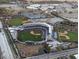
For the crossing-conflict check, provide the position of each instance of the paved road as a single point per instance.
(10, 40)
(56, 54)
(8, 5)
(7, 54)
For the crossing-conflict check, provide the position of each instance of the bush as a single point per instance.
(72, 57)
(46, 48)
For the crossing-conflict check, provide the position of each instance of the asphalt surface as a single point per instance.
(7, 54)
(10, 41)
(56, 54)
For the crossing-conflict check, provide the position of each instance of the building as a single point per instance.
(46, 28)
(48, 0)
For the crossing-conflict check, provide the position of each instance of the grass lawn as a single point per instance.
(27, 36)
(16, 21)
(72, 35)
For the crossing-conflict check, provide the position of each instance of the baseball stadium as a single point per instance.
(30, 38)
(33, 32)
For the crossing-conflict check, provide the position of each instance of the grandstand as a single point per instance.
(25, 33)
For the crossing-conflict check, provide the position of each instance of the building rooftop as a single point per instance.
(35, 15)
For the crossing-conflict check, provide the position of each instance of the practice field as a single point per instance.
(70, 36)
(29, 36)
(16, 21)
(73, 36)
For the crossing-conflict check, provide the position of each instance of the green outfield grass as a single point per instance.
(27, 36)
(15, 21)
(72, 35)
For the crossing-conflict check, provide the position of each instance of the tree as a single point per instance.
(46, 48)
(72, 57)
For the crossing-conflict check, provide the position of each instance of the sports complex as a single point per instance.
(30, 38)
(33, 32)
